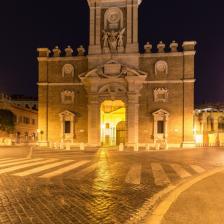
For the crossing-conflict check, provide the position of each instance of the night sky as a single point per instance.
(27, 25)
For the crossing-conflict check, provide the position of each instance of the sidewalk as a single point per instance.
(203, 203)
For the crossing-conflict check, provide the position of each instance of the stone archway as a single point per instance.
(112, 113)
(113, 81)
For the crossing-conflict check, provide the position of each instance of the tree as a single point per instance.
(7, 120)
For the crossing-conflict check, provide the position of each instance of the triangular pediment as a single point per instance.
(161, 112)
(66, 113)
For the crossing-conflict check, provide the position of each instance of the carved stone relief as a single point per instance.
(113, 19)
(67, 97)
(161, 95)
(113, 32)
(68, 69)
(161, 67)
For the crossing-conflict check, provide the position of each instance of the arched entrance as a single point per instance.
(112, 114)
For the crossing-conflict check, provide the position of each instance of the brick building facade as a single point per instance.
(25, 123)
(115, 94)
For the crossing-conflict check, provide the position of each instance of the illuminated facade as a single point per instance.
(115, 94)
(25, 124)
(209, 126)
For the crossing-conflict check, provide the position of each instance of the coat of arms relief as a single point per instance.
(113, 34)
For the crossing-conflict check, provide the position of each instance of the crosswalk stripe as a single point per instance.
(20, 162)
(159, 175)
(64, 169)
(5, 159)
(197, 169)
(14, 168)
(134, 174)
(180, 170)
(84, 172)
(42, 168)
(11, 160)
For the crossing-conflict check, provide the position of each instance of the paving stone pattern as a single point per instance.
(95, 191)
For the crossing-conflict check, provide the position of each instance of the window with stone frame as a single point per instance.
(160, 127)
(210, 123)
(221, 124)
(67, 126)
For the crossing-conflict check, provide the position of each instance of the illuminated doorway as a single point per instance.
(113, 122)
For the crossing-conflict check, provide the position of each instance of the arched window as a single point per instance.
(210, 123)
(221, 124)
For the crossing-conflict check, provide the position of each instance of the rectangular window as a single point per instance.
(67, 127)
(160, 127)
(68, 99)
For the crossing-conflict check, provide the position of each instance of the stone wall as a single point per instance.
(58, 74)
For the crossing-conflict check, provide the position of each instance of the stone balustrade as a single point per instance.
(173, 47)
(57, 52)
(187, 46)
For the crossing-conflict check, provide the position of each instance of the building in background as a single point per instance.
(209, 125)
(28, 102)
(115, 94)
(25, 125)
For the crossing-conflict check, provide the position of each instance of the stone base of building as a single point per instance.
(188, 145)
(42, 144)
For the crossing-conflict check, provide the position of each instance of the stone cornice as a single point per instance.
(159, 55)
(76, 58)
(170, 81)
(58, 84)
(145, 82)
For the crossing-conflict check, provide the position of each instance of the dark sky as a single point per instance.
(26, 25)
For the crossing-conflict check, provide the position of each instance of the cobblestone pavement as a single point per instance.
(103, 187)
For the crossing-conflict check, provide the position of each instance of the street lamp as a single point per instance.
(41, 132)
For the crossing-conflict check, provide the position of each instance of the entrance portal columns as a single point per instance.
(93, 121)
(132, 119)
(135, 84)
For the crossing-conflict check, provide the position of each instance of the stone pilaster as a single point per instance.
(93, 123)
(92, 26)
(95, 29)
(129, 23)
(132, 119)
(188, 94)
(135, 24)
(132, 28)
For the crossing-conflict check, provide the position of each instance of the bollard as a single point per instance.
(55, 145)
(82, 147)
(136, 148)
(68, 147)
(51, 145)
(61, 145)
(121, 147)
(157, 146)
(148, 147)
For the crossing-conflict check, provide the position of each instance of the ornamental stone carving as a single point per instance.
(113, 19)
(161, 95)
(67, 97)
(161, 67)
(113, 32)
(68, 69)
(113, 41)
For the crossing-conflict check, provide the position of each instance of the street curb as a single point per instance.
(171, 195)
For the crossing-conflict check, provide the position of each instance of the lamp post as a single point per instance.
(41, 132)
